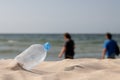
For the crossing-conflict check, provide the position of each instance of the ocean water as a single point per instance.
(87, 45)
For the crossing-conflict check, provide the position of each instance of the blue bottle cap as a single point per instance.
(47, 46)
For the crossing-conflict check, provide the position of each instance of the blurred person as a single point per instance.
(111, 48)
(68, 48)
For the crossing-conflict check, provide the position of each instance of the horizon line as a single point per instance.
(58, 33)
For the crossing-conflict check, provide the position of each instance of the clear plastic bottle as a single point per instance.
(33, 55)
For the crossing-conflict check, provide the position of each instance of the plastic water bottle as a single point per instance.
(33, 55)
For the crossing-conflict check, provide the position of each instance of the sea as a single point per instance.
(86, 45)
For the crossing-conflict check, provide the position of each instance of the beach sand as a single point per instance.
(77, 69)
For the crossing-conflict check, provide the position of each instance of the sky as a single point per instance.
(59, 16)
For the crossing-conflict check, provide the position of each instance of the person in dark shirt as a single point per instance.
(68, 48)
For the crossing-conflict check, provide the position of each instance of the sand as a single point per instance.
(77, 69)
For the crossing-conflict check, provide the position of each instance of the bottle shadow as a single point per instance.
(35, 71)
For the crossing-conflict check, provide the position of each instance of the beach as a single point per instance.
(85, 66)
(77, 69)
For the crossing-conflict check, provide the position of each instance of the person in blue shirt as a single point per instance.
(109, 47)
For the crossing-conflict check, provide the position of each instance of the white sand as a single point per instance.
(77, 69)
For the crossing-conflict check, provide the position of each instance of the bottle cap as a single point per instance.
(47, 46)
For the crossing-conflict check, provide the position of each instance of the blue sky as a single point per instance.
(59, 16)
